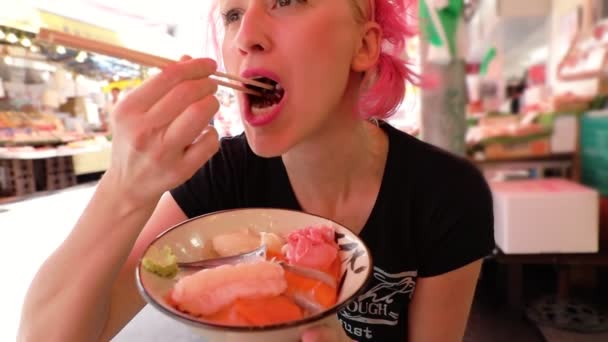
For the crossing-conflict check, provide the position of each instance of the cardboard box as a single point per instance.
(545, 216)
(537, 147)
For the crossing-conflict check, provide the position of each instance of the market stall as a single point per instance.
(54, 105)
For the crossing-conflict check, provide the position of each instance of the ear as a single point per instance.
(368, 50)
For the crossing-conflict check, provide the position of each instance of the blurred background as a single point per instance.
(519, 87)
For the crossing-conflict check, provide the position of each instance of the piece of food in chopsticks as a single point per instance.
(160, 261)
(267, 97)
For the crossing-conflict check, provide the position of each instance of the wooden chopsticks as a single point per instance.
(56, 37)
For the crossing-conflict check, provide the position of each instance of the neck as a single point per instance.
(327, 169)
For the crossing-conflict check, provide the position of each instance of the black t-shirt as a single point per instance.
(433, 214)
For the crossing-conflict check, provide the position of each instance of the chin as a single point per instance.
(266, 145)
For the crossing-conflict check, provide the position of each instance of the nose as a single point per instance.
(253, 35)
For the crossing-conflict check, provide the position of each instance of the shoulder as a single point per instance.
(433, 168)
(452, 204)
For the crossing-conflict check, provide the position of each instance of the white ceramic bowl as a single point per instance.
(188, 238)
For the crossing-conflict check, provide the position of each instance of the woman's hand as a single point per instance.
(326, 333)
(161, 132)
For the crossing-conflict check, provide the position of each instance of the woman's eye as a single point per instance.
(232, 16)
(285, 3)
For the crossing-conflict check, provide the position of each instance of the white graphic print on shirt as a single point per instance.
(377, 306)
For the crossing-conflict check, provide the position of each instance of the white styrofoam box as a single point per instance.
(565, 134)
(545, 216)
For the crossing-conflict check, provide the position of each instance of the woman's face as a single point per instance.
(307, 47)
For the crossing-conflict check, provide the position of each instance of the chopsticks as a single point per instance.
(56, 37)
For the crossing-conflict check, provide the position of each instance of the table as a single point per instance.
(23, 171)
(34, 154)
(564, 162)
(514, 264)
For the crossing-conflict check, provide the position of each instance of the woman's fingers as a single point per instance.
(148, 93)
(178, 99)
(201, 150)
(189, 124)
(325, 333)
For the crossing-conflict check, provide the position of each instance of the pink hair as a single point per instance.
(387, 91)
(382, 97)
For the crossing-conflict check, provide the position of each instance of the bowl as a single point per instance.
(187, 241)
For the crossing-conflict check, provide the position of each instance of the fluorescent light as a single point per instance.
(81, 57)
(26, 42)
(539, 55)
(60, 50)
(2, 34)
(12, 38)
(34, 48)
(30, 64)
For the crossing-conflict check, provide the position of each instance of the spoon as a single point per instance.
(229, 260)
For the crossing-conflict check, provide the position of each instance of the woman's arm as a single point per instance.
(440, 307)
(84, 291)
(125, 300)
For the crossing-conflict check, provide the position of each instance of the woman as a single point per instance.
(426, 215)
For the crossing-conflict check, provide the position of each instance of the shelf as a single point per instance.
(49, 153)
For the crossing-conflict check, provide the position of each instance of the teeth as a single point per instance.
(262, 111)
(278, 86)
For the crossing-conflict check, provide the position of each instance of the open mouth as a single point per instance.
(269, 97)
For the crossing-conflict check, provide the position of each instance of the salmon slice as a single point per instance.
(312, 292)
(258, 312)
(276, 256)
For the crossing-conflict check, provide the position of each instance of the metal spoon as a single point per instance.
(229, 260)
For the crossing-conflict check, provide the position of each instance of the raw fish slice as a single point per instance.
(313, 272)
(208, 291)
(235, 243)
(315, 293)
(274, 243)
(269, 310)
(258, 312)
(313, 247)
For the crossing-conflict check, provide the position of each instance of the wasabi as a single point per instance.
(161, 262)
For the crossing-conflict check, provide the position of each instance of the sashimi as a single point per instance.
(298, 277)
(314, 292)
(274, 243)
(208, 291)
(313, 268)
(258, 312)
(313, 247)
(235, 243)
